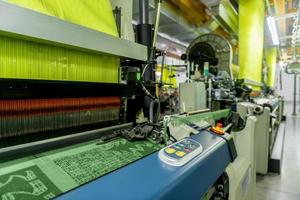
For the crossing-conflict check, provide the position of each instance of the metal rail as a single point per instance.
(44, 145)
(253, 83)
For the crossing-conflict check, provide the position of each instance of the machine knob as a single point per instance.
(220, 187)
(218, 129)
(220, 194)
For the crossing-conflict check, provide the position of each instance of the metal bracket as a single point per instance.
(251, 82)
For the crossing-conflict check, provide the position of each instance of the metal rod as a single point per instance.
(44, 145)
(185, 66)
(280, 79)
(198, 111)
(118, 18)
(188, 70)
(162, 66)
(295, 96)
(144, 11)
(144, 36)
(251, 82)
(210, 94)
(225, 129)
(157, 19)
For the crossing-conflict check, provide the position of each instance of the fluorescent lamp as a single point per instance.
(281, 64)
(176, 41)
(163, 45)
(273, 30)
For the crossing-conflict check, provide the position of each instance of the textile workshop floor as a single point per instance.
(55, 173)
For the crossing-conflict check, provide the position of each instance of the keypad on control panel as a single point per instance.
(181, 149)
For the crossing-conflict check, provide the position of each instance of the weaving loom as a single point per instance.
(31, 60)
(50, 174)
(51, 92)
(65, 121)
(58, 99)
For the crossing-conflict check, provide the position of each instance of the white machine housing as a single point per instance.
(242, 172)
(192, 96)
(262, 134)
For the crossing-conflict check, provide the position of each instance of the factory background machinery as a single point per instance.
(138, 99)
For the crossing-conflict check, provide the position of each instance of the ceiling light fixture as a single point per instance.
(273, 30)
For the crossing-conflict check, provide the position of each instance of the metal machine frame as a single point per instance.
(26, 24)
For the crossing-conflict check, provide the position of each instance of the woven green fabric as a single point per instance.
(46, 175)
(27, 184)
(208, 116)
(88, 165)
(27, 59)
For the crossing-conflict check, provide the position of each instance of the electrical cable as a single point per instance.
(154, 117)
(147, 91)
(144, 70)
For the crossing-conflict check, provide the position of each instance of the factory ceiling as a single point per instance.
(184, 20)
(181, 22)
(284, 12)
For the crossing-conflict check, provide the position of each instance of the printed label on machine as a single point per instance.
(181, 152)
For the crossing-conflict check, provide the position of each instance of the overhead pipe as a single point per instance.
(157, 19)
(144, 11)
(144, 37)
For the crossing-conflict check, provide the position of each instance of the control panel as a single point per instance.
(181, 152)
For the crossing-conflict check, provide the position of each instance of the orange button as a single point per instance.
(217, 130)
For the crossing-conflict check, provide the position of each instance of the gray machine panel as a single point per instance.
(26, 24)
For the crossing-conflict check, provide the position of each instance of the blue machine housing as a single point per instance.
(150, 178)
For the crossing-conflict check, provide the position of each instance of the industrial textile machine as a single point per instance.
(268, 139)
(55, 79)
(68, 128)
(274, 136)
(182, 169)
(209, 59)
(212, 85)
(240, 174)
